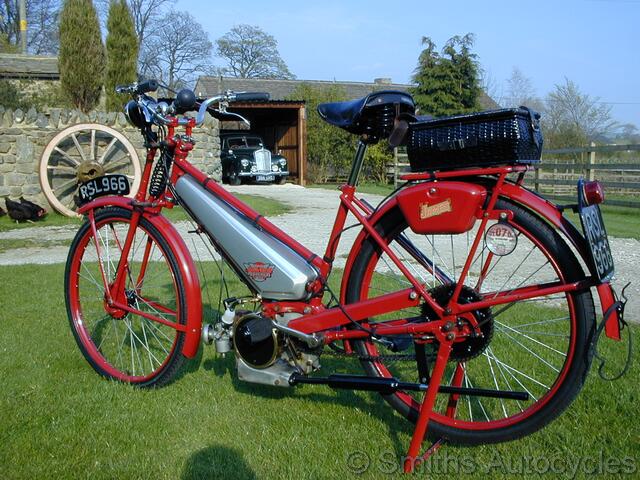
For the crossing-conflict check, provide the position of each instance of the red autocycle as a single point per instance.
(466, 297)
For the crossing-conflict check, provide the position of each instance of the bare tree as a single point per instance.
(575, 117)
(146, 14)
(251, 53)
(42, 25)
(490, 86)
(520, 91)
(176, 52)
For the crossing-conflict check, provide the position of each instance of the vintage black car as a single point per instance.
(244, 158)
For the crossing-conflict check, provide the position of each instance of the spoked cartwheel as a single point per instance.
(80, 153)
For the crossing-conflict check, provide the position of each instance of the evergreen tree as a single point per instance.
(122, 52)
(447, 82)
(81, 59)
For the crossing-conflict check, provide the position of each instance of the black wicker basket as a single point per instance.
(495, 137)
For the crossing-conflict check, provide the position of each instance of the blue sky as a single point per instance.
(595, 43)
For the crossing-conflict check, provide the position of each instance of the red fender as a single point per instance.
(530, 201)
(185, 264)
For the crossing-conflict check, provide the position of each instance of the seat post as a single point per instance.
(356, 166)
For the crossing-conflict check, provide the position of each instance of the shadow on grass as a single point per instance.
(365, 401)
(216, 461)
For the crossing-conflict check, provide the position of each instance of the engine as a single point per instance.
(256, 341)
(264, 354)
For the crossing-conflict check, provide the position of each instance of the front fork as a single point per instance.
(115, 292)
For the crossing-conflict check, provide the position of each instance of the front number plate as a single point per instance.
(596, 235)
(265, 178)
(101, 186)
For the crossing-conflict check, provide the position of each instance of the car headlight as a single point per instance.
(283, 162)
(254, 168)
(275, 167)
(244, 162)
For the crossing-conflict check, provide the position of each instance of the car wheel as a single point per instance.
(234, 179)
(281, 180)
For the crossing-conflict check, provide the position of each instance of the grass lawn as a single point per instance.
(60, 420)
(53, 219)
(266, 206)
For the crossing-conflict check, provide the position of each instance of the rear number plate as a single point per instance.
(596, 235)
(265, 178)
(102, 186)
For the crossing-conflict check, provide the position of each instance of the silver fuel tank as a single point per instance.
(274, 270)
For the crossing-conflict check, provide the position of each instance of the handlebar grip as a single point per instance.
(148, 86)
(252, 97)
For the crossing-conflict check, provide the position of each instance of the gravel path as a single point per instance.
(309, 223)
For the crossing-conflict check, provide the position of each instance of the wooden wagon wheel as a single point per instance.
(80, 153)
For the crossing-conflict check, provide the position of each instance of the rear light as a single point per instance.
(593, 192)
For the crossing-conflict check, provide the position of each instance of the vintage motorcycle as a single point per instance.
(466, 297)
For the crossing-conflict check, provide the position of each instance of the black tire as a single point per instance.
(108, 340)
(234, 179)
(571, 375)
(281, 180)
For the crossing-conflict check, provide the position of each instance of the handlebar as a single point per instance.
(251, 97)
(161, 114)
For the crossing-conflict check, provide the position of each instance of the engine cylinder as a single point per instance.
(256, 341)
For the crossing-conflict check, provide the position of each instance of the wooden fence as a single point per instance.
(616, 166)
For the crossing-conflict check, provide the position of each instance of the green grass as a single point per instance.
(266, 206)
(10, 244)
(622, 222)
(53, 219)
(60, 420)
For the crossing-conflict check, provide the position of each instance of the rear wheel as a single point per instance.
(539, 346)
(124, 345)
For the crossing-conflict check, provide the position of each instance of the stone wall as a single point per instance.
(24, 136)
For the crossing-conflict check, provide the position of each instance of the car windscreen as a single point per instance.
(254, 142)
(244, 142)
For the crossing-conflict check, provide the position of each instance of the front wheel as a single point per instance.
(121, 345)
(538, 346)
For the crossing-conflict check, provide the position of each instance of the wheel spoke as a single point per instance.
(66, 156)
(63, 168)
(107, 150)
(78, 147)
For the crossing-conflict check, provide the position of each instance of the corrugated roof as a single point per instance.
(28, 66)
(281, 89)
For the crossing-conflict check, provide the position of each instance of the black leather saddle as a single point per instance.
(372, 115)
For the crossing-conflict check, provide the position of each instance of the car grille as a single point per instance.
(263, 160)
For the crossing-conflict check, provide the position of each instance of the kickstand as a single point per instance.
(426, 409)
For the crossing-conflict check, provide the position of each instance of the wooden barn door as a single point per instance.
(287, 145)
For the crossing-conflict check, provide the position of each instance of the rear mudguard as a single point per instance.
(187, 268)
(544, 209)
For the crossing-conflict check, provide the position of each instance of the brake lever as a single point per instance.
(244, 120)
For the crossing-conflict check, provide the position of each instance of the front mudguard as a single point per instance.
(187, 268)
(544, 209)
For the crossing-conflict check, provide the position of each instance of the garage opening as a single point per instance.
(282, 126)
